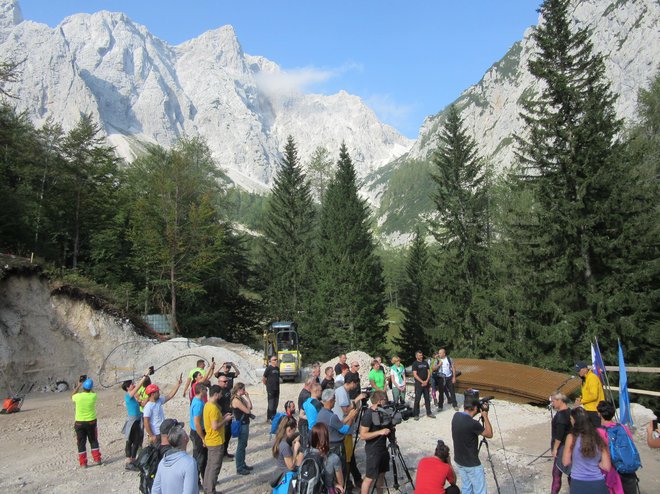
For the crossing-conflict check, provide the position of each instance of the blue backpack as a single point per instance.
(625, 457)
(276, 422)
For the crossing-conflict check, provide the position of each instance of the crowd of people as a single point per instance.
(332, 415)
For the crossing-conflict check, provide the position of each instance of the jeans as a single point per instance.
(213, 466)
(200, 453)
(397, 395)
(241, 446)
(473, 479)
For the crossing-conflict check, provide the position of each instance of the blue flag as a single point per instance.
(624, 399)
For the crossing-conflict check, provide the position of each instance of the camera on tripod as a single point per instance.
(367, 392)
(471, 397)
(392, 414)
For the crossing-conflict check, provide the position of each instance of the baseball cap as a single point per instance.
(168, 425)
(152, 388)
(580, 365)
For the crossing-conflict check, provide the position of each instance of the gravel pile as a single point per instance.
(361, 358)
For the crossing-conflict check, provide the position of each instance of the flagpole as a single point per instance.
(607, 380)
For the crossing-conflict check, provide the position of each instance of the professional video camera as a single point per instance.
(472, 396)
(392, 414)
(367, 392)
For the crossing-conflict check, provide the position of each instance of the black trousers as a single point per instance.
(450, 391)
(200, 453)
(273, 399)
(303, 429)
(135, 438)
(86, 431)
(227, 436)
(419, 391)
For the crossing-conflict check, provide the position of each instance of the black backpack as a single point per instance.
(147, 462)
(310, 474)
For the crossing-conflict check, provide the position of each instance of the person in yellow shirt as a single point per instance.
(85, 425)
(592, 392)
(213, 438)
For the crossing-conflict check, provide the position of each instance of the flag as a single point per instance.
(624, 399)
(597, 360)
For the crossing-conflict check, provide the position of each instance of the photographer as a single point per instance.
(375, 438)
(226, 371)
(421, 373)
(154, 413)
(653, 434)
(435, 471)
(337, 428)
(343, 407)
(465, 432)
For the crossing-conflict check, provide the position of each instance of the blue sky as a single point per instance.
(407, 60)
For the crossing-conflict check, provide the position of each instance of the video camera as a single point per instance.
(471, 396)
(367, 392)
(392, 414)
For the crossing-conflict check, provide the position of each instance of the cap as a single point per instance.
(580, 365)
(88, 384)
(152, 388)
(168, 425)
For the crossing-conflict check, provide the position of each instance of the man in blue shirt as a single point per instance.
(312, 405)
(197, 432)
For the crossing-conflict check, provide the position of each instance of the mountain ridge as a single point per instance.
(142, 89)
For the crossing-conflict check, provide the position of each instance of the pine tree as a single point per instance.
(288, 239)
(349, 304)
(320, 172)
(462, 230)
(571, 162)
(416, 301)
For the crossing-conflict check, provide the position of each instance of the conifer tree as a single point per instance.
(462, 231)
(349, 304)
(570, 160)
(288, 235)
(416, 301)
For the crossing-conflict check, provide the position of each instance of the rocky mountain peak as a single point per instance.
(10, 15)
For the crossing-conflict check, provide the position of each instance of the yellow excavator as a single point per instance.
(281, 339)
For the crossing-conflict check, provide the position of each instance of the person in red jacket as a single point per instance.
(434, 472)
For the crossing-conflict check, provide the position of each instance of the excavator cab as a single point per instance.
(281, 339)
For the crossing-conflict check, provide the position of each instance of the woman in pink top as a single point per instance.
(617, 483)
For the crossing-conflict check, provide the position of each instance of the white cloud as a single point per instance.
(389, 111)
(299, 80)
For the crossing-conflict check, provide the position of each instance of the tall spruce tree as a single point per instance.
(287, 244)
(416, 301)
(462, 231)
(571, 162)
(349, 303)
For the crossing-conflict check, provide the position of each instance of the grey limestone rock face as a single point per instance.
(143, 90)
(625, 32)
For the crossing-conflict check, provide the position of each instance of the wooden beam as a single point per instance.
(637, 391)
(645, 370)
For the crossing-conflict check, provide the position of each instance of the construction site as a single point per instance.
(49, 335)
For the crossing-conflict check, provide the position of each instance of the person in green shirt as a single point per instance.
(377, 376)
(85, 425)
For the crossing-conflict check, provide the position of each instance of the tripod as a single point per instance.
(484, 442)
(396, 456)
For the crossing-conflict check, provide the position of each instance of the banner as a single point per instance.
(597, 362)
(624, 399)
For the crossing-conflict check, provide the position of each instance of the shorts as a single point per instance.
(377, 463)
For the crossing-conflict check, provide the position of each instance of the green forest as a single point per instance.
(526, 266)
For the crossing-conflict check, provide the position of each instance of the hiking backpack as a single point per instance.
(147, 462)
(275, 422)
(310, 474)
(625, 456)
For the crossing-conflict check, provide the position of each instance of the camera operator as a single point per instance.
(375, 438)
(465, 432)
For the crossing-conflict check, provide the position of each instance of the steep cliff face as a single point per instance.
(46, 337)
(141, 89)
(625, 32)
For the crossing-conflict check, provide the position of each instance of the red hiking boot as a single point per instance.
(82, 458)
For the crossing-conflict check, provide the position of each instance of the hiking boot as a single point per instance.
(248, 467)
(96, 454)
(244, 472)
(431, 416)
(82, 459)
(416, 417)
(131, 467)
